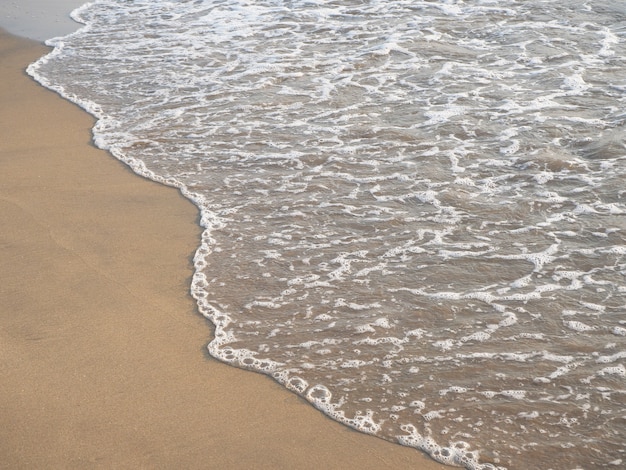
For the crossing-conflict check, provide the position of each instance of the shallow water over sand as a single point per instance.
(414, 211)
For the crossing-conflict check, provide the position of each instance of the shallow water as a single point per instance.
(414, 211)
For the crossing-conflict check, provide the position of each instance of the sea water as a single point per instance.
(414, 212)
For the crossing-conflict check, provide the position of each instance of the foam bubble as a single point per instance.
(611, 358)
(618, 370)
(578, 326)
(515, 394)
(457, 453)
(618, 331)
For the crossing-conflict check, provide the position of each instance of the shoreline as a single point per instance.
(104, 359)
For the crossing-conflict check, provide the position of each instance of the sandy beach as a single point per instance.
(103, 360)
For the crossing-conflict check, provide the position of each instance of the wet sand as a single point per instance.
(102, 350)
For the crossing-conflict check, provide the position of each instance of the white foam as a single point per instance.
(458, 454)
(618, 370)
(608, 41)
(619, 331)
(578, 326)
(515, 394)
(611, 358)
(575, 84)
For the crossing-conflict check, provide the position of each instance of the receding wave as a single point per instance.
(413, 211)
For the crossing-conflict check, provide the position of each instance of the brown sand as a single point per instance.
(102, 359)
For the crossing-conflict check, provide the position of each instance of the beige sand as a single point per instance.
(102, 351)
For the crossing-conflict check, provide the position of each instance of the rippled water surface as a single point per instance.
(414, 210)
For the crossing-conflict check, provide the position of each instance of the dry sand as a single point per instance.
(102, 351)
